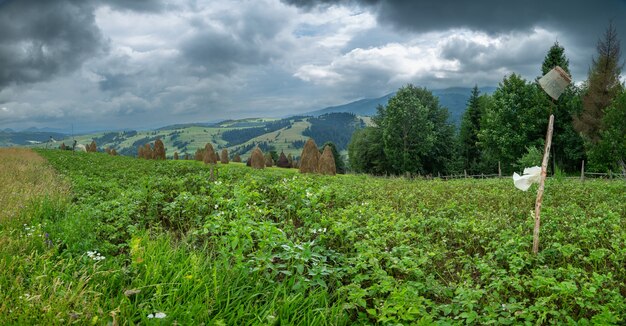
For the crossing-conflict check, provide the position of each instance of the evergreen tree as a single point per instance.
(470, 126)
(610, 152)
(567, 145)
(603, 85)
(555, 57)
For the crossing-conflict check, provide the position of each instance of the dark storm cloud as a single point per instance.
(246, 38)
(134, 5)
(40, 39)
(585, 19)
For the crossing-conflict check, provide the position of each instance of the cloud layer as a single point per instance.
(142, 64)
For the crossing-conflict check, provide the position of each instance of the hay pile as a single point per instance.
(309, 160)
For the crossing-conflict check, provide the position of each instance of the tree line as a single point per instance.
(505, 129)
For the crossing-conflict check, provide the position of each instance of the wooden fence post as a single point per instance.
(542, 181)
(582, 171)
(499, 170)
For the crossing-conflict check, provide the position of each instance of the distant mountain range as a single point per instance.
(454, 99)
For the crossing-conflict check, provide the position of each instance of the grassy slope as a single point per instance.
(276, 246)
(199, 136)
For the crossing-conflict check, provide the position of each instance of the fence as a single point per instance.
(583, 175)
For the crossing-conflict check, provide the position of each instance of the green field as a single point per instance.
(276, 247)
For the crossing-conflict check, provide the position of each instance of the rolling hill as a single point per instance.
(237, 136)
(335, 124)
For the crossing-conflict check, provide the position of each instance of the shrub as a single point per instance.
(224, 156)
(327, 162)
(257, 161)
(283, 162)
(159, 150)
(310, 157)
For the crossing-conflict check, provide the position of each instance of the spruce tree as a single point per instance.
(555, 57)
(470, 126)
(603, 85)
(567, 145)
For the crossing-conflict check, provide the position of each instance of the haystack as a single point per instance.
(224, 156)
(310, 157)
(327, 162)
(283, 162)
(257, 161)
(209, 154)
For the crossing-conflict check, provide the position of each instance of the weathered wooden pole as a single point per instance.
(582, 171)
(553, 83)
(542, 181)
(499, 170)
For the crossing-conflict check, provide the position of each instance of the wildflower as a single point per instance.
(95, 255)
(158, 315)
(216, 206)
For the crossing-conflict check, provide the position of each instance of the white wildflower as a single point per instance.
(158, 315)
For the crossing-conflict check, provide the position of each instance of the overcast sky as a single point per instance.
(141, 64)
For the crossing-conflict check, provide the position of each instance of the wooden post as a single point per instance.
(544, 167)
(499, 170)
(465, 173)
(582, 171)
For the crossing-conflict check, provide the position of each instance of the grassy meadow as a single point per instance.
(87, 238)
